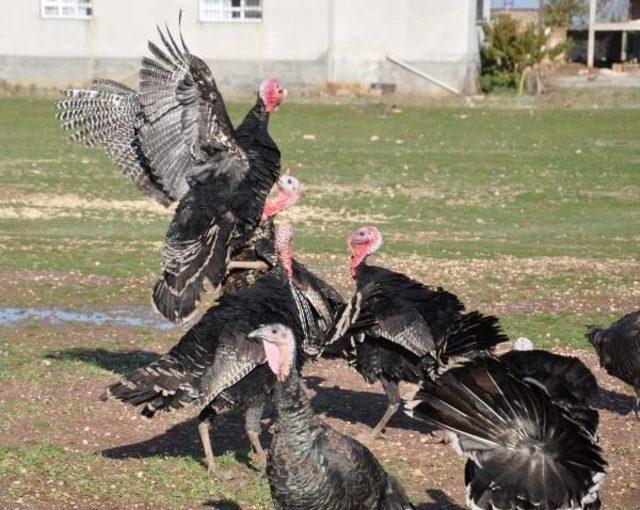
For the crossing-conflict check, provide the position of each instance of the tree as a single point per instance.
(508, 52)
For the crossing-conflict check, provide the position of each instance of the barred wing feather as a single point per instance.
(188, 121)
(109, 115)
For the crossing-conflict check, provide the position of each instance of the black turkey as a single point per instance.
(618, 348)
(523, 451)
(257, 256)
(311, 466)
(215, 366)
(175, 140)
(402, 329)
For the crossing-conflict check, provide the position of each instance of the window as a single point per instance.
(71, 9)
(231, 10)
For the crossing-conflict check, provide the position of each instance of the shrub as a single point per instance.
(508, 51)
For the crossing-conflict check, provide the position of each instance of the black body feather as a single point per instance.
(402, 330)
(313, 467)
(566, 379)
(214, 355)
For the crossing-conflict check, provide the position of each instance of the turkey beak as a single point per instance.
(260, 334)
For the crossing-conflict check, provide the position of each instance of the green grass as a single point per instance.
(66, 476)
(519, 182)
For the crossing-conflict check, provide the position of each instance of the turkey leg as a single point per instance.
(392, 391)
(252, 428)
(204, 427)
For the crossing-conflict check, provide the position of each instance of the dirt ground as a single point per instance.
(432, 473)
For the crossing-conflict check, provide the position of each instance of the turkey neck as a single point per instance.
(263, 154)
(295, 417)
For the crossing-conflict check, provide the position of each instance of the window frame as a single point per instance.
(212, 11)
(58, 4)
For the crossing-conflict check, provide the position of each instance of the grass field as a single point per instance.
(530, 214)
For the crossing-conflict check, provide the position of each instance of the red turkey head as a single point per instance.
(288, 192)
(279, 347)
(272, 94)
(283, 237)
(362, 243)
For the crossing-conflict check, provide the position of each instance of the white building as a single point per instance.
(306, 43)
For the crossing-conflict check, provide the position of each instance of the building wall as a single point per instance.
(304, 42)
(522, 16)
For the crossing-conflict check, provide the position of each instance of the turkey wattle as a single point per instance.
(312, 466)
(173, 138)
(403, 330)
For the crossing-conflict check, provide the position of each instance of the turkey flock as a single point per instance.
(523, 419)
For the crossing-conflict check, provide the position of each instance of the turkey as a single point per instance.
(565, 379)
(174, 140)
(213, 365)
(618, 348)
(311, 466)
(523, 451)
(257, 256)
(404, 330)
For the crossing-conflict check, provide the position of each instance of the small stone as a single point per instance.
(308, 137)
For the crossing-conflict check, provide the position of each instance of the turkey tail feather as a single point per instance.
(526, 451)
(471, 334)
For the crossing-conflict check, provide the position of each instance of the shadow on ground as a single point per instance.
(182, 440)
(119, 362)
(613, 402)
(365, 407)
(441, 501)
(222, 504)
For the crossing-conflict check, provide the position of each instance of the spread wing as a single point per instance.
(109, 115)
(188, 131)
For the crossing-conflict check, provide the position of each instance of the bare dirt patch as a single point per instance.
(47, 206)
(78, 423)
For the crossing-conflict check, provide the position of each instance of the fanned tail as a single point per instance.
(524, 451)
(566, 379)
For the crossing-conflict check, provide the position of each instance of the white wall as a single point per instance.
(307, 41)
